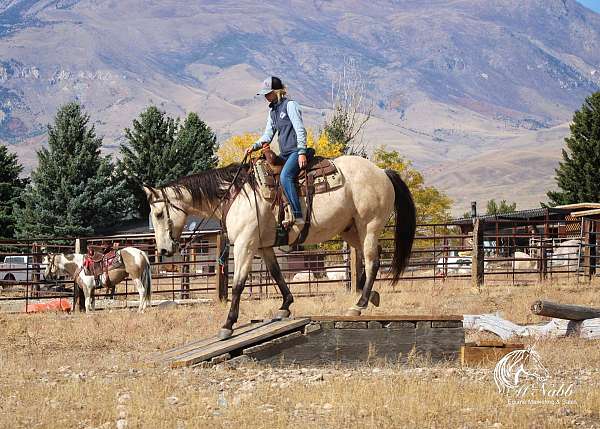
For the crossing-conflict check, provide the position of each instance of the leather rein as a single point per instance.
(224, 203)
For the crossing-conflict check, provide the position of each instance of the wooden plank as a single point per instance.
(168, 355)
(384, 318)
(473, 355)
(438, 343)
(493, 343)
(240, 341)
(346, 346)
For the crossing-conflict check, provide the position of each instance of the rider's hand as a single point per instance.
(249, 150)
(302, 161)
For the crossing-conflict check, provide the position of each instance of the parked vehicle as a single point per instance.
(16, 269)
(453, 265)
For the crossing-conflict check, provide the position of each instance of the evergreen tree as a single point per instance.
(578, 175)
(199, 143)
(493, 208)
(73, 191)
(11, 187)
(159, 151)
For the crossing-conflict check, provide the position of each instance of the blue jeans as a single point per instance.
(288, 176)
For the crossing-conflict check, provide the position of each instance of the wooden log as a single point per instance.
(590, 329)
(564, 311)
(506, 329)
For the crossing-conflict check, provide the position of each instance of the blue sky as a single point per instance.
(592, 4)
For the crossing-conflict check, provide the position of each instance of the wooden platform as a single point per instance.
(486, 352)
(328, 339)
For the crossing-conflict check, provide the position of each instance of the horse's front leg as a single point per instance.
(242, 257)
(268, 255)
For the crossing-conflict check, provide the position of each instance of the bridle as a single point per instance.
(51, 265)
(223, 202)
(168, 206)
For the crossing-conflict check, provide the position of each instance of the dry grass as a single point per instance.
(80, 371)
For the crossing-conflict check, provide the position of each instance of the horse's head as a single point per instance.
(52, 263)
(168, 219)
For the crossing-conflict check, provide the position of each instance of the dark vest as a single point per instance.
(286, 133)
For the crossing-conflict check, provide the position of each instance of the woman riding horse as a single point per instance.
(285, 118)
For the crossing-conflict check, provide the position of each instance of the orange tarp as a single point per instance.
(60, 304)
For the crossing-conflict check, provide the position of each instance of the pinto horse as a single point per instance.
(135, 264)
(358, 211)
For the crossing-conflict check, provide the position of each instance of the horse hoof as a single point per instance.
(374, 298)
(282, 314)
(353, 312)
(225, 333)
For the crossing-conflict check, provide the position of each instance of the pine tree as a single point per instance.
(159, 151)
(73, 191)
(578, 175)
(199, 143)
(11, 187)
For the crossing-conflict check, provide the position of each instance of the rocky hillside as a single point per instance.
(454, 83)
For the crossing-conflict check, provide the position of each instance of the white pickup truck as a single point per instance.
(14, 269)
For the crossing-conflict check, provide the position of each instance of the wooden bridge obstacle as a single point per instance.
(327, 340)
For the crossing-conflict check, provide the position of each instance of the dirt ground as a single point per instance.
(90, 371)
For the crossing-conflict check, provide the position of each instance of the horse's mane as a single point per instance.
(211, 185)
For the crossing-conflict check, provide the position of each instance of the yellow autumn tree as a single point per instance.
(232, 150)
(322, 145)
(433, 206)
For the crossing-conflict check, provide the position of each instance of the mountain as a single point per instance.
(476, 93)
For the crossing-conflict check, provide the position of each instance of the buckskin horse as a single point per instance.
(358, 211)
(132, 262)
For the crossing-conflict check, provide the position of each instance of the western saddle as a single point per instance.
(320, 176)
(96, 263)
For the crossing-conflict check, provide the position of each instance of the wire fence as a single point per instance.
(514, 251)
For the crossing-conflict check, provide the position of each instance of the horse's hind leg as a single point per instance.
(351, 237)
(142, 292)
(88, 291)
(270, 259)
(370, 248)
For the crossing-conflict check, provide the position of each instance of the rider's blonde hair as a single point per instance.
(280, 93)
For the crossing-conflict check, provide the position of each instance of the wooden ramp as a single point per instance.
(245, 336)
(328, 339)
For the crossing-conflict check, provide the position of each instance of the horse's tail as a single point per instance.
(406, 224)
(147, 278)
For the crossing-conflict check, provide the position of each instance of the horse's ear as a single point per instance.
(150, 191)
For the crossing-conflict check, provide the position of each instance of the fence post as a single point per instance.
(543, 260)
(589, 240)
(477, 267)
(222, 271)
(36, 263)
(80, 245)
(356, 268)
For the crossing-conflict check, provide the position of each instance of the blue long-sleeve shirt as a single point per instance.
(295, 114)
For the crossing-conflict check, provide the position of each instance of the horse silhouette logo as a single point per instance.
(518, 367)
